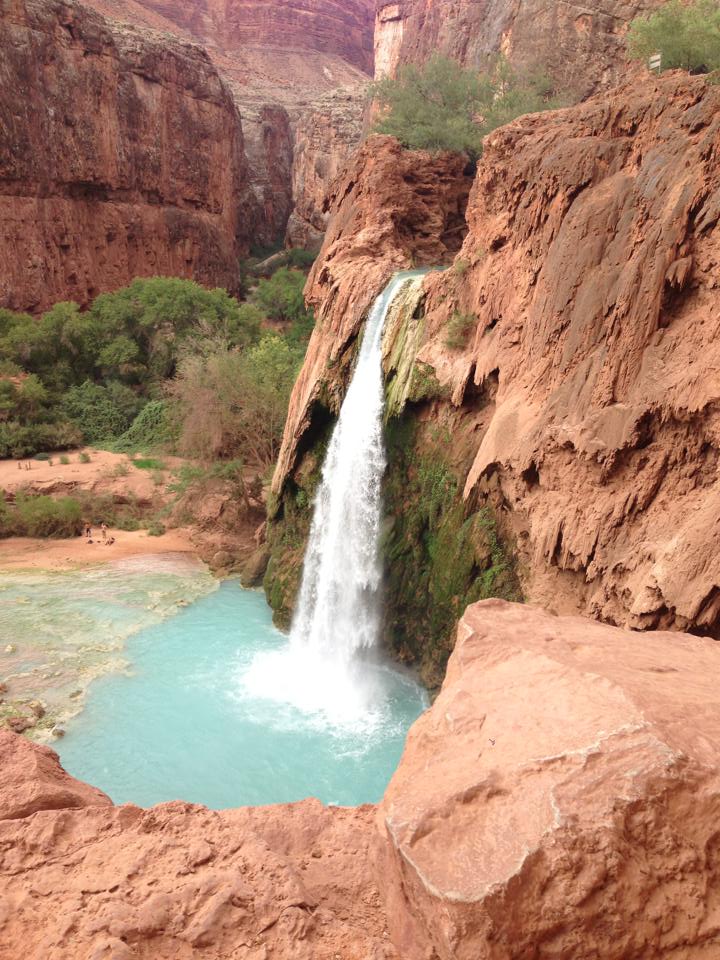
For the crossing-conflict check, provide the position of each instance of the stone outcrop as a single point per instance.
(581, 399)
(121, 155)
(389, 208)
(562, 794)
(580, 46)
(560, 798)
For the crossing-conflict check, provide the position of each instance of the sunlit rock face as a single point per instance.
(563, 790)
(121, 155)
(580, 48)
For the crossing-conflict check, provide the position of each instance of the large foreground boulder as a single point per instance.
(562, 797)
(559, 801)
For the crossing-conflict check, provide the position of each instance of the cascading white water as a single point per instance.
(338, 606)
(337, 612)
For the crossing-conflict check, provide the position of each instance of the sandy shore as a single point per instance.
(25, 553)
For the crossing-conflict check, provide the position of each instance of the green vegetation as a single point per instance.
(442, 106)
(101, 376)
(440, 553)
(229, 403)
(687, 36)
(458, 330)
(40, 517)
(148, 463)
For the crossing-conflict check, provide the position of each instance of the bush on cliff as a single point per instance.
(687, 36)
(443, 106)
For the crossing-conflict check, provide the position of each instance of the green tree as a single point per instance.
(144, 324)
(281, 297)
(442, 106)
(101, 412)
(229, 403)
(687, 36)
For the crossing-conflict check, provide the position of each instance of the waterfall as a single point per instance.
(338, 612)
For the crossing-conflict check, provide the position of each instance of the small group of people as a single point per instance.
(24, 465)
(108, 541)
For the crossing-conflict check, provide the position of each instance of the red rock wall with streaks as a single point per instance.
(119, 156)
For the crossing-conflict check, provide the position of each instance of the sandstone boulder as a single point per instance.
(562, 797)
(32, 779)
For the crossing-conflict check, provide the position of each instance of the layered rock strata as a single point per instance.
(298, 70)
(121, 155)
(581, 47)
(561, 795)
(570, 349)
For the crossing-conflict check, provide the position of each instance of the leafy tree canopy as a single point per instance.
(687, 36)
(443, 106)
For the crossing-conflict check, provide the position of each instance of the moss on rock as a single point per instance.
(440, 554)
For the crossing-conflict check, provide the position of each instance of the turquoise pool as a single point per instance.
(194, 716)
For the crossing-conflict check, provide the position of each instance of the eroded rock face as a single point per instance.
(389, 208)
(298, 72)
(581, 48)
(121, 155)
(562, 794)
(582, 399)
(590, 269)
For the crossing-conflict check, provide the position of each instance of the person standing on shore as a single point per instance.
(103, 527)
(88, 530)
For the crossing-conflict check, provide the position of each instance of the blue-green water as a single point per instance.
(194, 719)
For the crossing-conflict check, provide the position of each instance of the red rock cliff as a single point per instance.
(563, 791)
(298, 70)
(579, 46)
(585, 400)
(120, 156)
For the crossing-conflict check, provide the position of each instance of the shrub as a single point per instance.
(84, 457)
(43, 457)
(686, 36)
(102, 413)
(64, 460)
(281, 297)
(442, 106)
(17, 440)
(149, 430)
(44, 517)
(229, 403)
(156, 529)
(458, 330)
(129, 524)
(148, 463)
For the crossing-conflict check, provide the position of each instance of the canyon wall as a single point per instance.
(560, 381)
(121, 155)
(562, 795)
(298, 70)
(341, 28)
(579, 46)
